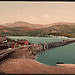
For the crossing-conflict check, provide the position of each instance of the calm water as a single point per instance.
(64, 54)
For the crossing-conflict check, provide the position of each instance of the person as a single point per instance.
(12, 46)
(26, 42)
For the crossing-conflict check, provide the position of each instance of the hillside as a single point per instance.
(16, 30)
(61, 23)
(66, 30)
(60, 29)
(39, 26)
(24, 24)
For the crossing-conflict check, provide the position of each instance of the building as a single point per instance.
(3, 40)
(23, 42)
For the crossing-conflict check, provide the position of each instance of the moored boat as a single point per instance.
(59, 62)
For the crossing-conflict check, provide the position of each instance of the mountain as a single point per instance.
(19, 28)
(24, 24)
(65, 30)
(61, 23)
(61, 28)
(39, 26)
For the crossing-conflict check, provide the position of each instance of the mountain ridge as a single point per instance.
(24, 24)
(39, 26)
(60, 28)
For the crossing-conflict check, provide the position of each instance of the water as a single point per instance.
(64, 54)
(36, 40)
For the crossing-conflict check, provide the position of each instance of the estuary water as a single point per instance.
(64, 54)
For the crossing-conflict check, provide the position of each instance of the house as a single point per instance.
(3, 40)
(26, 42)
(23, 42)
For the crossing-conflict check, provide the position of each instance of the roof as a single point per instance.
(21, 41)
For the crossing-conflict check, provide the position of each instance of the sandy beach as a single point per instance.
(29, 66)
(22, 62)
(67, 65)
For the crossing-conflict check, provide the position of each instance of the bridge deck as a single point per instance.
(36, 47)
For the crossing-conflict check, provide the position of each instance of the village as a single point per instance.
(8, 47)
(5, 43)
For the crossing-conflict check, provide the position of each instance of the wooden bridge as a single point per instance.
(47, 46)
(35, 48)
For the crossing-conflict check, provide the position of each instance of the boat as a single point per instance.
(59, 62)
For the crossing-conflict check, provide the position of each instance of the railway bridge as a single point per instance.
(35, 48)
(47, 46)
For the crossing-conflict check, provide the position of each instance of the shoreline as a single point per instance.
(43, 37)
(37, 37)
(23, 62)
(67, 65)
(57, 65)
(40, 63)
(29, 66)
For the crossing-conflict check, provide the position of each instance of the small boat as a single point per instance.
(59, 62)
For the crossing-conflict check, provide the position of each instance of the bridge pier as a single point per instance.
(45, 46)
(36, 48)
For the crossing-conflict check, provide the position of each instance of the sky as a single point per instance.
(37, 12)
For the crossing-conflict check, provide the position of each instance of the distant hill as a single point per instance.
(24, 24)
(39, 26)
(19, 28)
(66, 30)
(61, 23)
